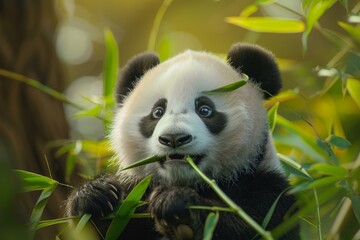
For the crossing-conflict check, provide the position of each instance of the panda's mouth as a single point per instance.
(181, 158)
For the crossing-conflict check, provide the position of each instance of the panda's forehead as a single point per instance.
(189, 75)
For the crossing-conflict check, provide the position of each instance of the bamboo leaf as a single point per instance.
(91, 112)
(272, 114)
(271, 211)
(326, 181)
(81, 224)
(210, 225)
(111, 66)
(143, 162)
(230, 87)
(39, 209)
(126, 210)
(293, 167)
(339, 142)
(353, 31)
(353, 87)
(327, 169)
(249, 10)
(326, 146)
(314, 9)
(355, 201)
(52, 222)
(268, 24)
(32, 181)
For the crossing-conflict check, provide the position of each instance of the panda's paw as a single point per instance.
(168, 206)
(97, 197)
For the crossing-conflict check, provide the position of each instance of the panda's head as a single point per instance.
(165, 111)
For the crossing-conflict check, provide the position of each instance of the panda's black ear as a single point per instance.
(259, 64)
(132, 72)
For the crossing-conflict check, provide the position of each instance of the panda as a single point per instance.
(166, 110)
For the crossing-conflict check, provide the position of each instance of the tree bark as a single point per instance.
(30, 119)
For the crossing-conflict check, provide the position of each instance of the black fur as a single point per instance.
(98, 197)
(255, 193)
(132, 72)
(217, 121)
(259, 64)
(148, 123)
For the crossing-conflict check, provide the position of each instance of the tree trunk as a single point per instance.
(30, 119)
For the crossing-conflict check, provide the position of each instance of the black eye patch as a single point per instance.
(148, 123)
(214, 121)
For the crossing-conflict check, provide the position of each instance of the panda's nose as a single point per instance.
(175, 140)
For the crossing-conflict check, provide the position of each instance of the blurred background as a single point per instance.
(61, 44)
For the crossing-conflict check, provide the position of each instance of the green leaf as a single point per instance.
(271, 211)
(293, 167)
(91, 112)
(142, 162)
(355, 201)
(272, 113)
(249, 10)
(70, 166)
(326, 146)
(353, 31)
(230, 87)
(267, 24)
(326, 181)
(314, 9)
(126, 210)
(353, 87)
(327, 169)
(111, 67)
(339, 142)
(52, 222)
(81, 224)
(210, 225)
(33, 182)
(38, 209)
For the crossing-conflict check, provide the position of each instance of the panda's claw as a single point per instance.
(97, 197)
(110, 206)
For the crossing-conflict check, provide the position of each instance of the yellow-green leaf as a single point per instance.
(126, 210)
(142, 162)
(272, 113)
(230, 87)
(111, 63)
(32, 181)
(353, 87)
(268, 24)
(249, 10)
(328, 169)
(210, 225)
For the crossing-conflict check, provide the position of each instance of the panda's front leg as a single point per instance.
(97, 197)
(169, 207)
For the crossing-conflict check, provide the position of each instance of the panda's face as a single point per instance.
(169, 114)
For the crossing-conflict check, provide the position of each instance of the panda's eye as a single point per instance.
(158, 112)
(205, 111)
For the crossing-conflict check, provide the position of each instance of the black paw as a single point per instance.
(168, 205)
(97, 197)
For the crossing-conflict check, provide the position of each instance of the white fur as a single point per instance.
(181, 80)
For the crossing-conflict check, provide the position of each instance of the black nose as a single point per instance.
(175, 140)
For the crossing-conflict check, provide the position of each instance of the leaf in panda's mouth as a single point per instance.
(143, 162)
(182, 157)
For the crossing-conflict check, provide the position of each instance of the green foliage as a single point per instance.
(321, 162)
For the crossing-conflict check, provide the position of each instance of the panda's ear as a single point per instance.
(259, 64)
(132, 72)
